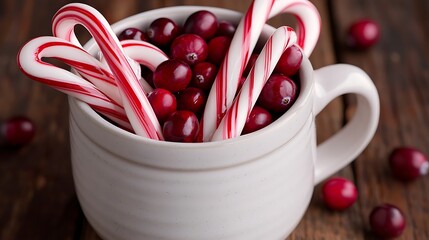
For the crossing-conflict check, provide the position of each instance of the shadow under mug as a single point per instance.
(256, 186)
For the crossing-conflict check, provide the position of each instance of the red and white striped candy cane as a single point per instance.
(30, 62)
(308, 20)
(85, 64)
(248, 31)
(135, 102)
(235, 117)
(97, 72)
(144, 53)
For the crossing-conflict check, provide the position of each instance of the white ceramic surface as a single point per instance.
(253, 187)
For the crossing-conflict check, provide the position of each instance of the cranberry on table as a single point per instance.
(258, 118)
(278, 94)
(133, 33)
(203, 75)
(387, 221)
(190, 48)
(181, 126)
(226, 29)
(363, 34)
(407, 163)
(290, 61)
(163, 103)
(202, 23)
(339, 193)
(173, 75)
(191, 99)
(16, 131)
(162, 31)
(218, 47)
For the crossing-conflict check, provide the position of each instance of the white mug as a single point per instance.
(256, 186)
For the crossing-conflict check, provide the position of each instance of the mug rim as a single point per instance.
(303, 105)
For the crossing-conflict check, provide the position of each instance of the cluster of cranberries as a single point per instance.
(386, 220)
(196, 51)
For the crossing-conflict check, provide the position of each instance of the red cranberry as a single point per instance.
(408, 163)
(133, 33)
(190, 48)
(278, 94)
(339, 193)
(387, 221)
(202, 23)
(163, 103)
(290, 61)
(17, 131)
(203, 75)
(226, 29)
(191, 99)
(162, 31)
(181, 126)
(258, 118)
(218, 47)
(363, 34)
(250, 64)
(173, 75)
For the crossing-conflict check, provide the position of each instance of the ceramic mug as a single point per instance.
(256, 186)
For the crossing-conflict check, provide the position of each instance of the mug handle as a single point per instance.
(344, 146)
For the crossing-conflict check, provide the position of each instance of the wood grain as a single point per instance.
(37, 198)
(398, 66)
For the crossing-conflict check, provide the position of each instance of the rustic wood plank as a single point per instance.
(38, 200)
(398, 66)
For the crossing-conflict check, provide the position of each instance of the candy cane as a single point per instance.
(235, 118)
(30, 62)
(135, 102)
(245, 38)
(96, 71)
(144, 53)
(308, 20)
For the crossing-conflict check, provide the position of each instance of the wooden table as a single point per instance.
(37, 198)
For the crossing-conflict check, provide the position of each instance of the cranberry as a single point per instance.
(203, 76)
(190, 48)
(339, 193)
(226, 29)
(218, 47)
(181, 126)
(258, 118)
(173, 75)
(387, 221)
(278, 94)
(191, 99)
(250, 64)
(202, 23)
(162, 31)
(17, 131)
(133, 33)
(163, 103)
(290, 61)
(408, 163)
(363, 34)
